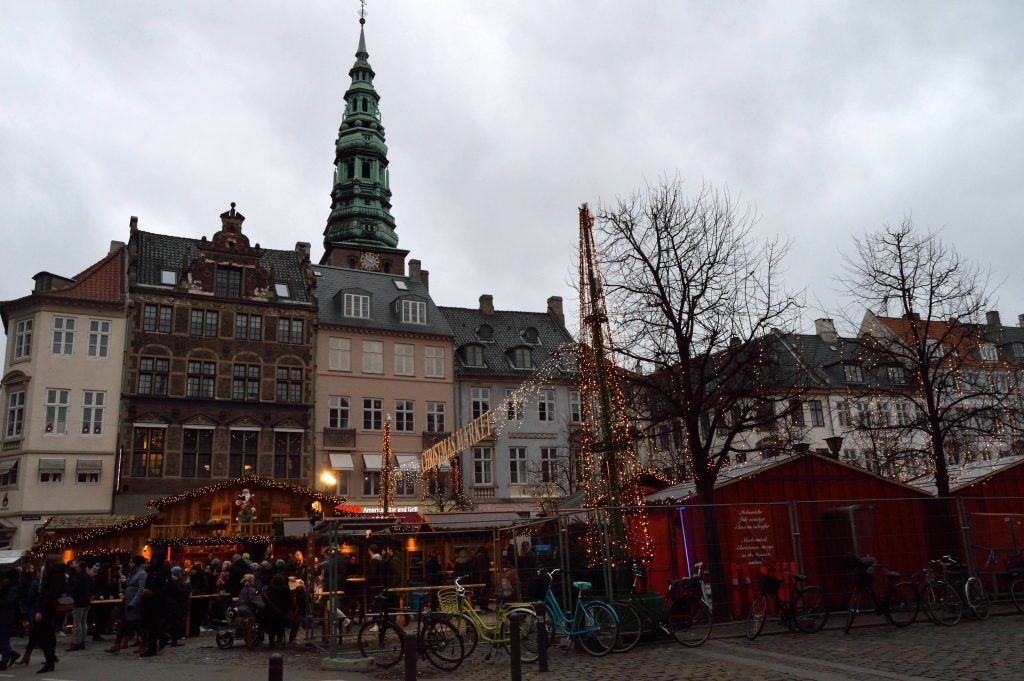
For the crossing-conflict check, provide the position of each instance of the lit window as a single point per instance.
(433, 365)
(93, 404)
(148, 453)
(373, 357)
(356, 305)
(15, 414)
(196, 453)
(22, 338)
(63, 335)
(405, 359)
(339, 354)
(242, 456)
(99, 338)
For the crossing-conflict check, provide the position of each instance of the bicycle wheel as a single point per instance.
(1017, 593)
(596, 629)
(690, 624)
(810, 611)
(756, 617)
(903, 605)
(941, 603)
(861, 600)
(466, 627)
(225, 639)
(630, 626)
(976, 598)
(381, 640)
(442, 644)
(529, 650)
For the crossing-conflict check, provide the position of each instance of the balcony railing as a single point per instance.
(483, 492)
(339, 437)
(230, 530)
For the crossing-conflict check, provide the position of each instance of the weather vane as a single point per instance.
(362, 11)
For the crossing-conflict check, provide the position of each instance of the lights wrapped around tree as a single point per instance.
(386, 491)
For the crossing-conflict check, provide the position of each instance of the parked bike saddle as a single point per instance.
(799, 578)
(582, 586)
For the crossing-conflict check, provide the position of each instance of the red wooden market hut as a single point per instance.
(805, 512)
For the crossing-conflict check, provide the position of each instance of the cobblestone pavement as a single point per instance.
(991, 650)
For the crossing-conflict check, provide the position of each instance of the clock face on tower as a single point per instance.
(369, 261)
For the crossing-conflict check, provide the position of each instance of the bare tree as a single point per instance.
(693, 298)
(952, 386)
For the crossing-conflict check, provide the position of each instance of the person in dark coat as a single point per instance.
(482, 575)
(528, 572)
(177, 604)
(154, 605)
(280, 609)
(374, 569)
(53, 584)
(432, 571)
(131, 617)
(8, 616)
(80, 586)
(240, 567)
(198, 607)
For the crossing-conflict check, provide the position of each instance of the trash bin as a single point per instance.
(416, 597)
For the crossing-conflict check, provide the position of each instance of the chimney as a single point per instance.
(992, 318)
(302, 248)
(425, 279)
(115, 246)
(414, 270)
(133, 223)
(231, 221)
(555, 309)
(1020, 320)
(487, 304)
(912, 316)
(826, 330)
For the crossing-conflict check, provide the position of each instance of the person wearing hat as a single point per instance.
(132, 606)
(177, 603)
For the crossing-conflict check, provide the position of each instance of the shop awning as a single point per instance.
(6, 465)
(10, 556)
(342, 462)
(371, 462)
(51, 465)
(473, 520)
(90, 465)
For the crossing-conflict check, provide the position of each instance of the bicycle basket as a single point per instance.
(770, 585)
(448, 600)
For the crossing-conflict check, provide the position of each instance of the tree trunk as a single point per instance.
(712, 544)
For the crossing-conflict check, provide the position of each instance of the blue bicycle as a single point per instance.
(593, 625)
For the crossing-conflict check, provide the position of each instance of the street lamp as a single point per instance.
(835, 443)
(327, 477)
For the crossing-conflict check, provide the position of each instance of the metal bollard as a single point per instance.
(542, 636)
(276, 671)
(411, 653)
(513, 646)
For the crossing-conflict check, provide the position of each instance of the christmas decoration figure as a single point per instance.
(246, 501)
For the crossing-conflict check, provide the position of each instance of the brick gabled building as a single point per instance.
(219, 363)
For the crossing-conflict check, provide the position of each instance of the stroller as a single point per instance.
(234, 625)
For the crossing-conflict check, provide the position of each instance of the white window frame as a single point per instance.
(517, 471)
(549, 464)
(436, 417)
(90, 478)
(546, 405)
(339, 354)
(433, 361)
(51, 477)
(99, 338)
(817, 411)
(168, 277)
(356, 305)
(371, 483)
(414, 312)
(515, 411)
(480, 401)
(373, 357)
(483, 466)
(405, 416)
(843, 414)
(903, 417)
(339, 412)
(575, 406)
(63, 336)
(281, 289)
(22, 339)
(15, 414)
(988, 352)
(405, 359)
(94, 403)
(853, 373)
(374, 407)
(58, 402)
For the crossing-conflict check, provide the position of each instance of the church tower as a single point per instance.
(360, 231)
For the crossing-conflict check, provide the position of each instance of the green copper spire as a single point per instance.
(361, 199)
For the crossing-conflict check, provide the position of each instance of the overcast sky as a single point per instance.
(502, 117)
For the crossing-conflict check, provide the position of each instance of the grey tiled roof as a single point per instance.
(508, 328)
(385, 312)
(164, 252)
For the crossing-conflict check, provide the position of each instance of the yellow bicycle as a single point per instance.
(455, 604)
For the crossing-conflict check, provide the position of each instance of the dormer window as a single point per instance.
(473, 356)
(531, 336)
(988, 352)
(854, 373)
(356, 305)
(897, 376)
(522, 358)
(168, 277)
(414, 312)
(1018, 350)
(485, 333)
(282, 290)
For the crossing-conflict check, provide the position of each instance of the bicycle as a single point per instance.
(971, 588)
(246, 628)
(939, 600)
(687, 619)
(593, 625)
(455, 603)
(899, 604)
(437, 639)
(804, 610)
